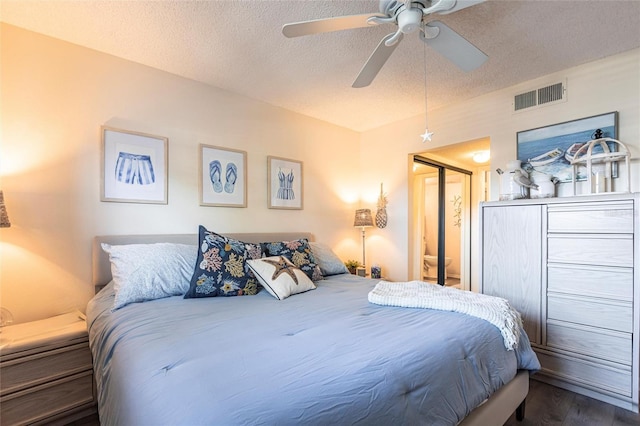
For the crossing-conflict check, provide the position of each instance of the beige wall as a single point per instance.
(55, 97)
(611, 84)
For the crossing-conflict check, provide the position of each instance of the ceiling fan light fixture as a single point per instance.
(409, 20)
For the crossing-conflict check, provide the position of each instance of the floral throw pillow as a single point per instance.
(298, 252)
(221, 267)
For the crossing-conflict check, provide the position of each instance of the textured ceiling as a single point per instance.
(238, 46)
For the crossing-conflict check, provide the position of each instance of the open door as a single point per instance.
(442, 206)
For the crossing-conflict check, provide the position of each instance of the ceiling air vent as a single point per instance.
(542, 96)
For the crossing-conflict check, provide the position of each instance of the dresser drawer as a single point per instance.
(591, 250)
(50, 399)
(610, 315)
(601, 282)
(43, 367)
(588, 374)
(607, 218)
(607, 345)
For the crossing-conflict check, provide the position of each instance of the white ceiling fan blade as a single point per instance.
(454, 47)
(376, 61)
(326, 25)
(461, 4)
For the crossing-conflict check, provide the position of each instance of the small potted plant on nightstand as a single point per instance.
(352, 265)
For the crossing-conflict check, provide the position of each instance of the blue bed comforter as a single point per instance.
(323, 357)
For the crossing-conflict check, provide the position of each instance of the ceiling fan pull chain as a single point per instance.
(427, 135)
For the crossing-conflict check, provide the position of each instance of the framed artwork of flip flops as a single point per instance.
(223, 177)
(133, 167)
(285, 185)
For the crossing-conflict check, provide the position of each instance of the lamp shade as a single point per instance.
(363, 218)
(4, 217)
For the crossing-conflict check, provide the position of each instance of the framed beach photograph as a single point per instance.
(223, 177)
(285, 183)
(133, 167)
(551, 149)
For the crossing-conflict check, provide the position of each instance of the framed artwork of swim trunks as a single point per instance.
(285, 183)
(223, 177)
(134, 167)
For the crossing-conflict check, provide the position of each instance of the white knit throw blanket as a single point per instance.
(419, 294)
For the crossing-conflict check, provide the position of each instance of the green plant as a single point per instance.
(352, 265)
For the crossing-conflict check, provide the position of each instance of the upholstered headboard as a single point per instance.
(102, 266)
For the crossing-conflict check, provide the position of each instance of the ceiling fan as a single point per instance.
(409, 16)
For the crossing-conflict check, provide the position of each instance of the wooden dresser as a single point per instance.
(46, 373)
(571, 267)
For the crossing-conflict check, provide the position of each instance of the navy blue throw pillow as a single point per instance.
(221, 267)
(298, 252)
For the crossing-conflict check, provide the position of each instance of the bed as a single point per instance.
(318, 357)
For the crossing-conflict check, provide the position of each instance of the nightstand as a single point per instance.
(46, 373)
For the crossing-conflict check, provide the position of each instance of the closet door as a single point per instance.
(512, 260)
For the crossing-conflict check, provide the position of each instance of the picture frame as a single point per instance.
(285, 183)
(133, 167)
(223, 177)
(549, 149)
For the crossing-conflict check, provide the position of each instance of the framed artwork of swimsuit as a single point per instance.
(285, 183)
(133, 167)
(223, 177)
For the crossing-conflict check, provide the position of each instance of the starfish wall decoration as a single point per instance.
(283, 266)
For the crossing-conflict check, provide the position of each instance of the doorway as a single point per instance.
(442, 249)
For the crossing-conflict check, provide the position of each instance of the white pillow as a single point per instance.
(329, 263)
(143, 272)
(280, 276)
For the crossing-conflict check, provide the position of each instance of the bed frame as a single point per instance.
(494, 411)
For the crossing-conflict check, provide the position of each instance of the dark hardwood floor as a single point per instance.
(546, 405)
(549, 405)
(92, 420)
